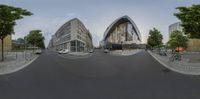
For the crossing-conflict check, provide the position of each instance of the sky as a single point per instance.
(96, 15)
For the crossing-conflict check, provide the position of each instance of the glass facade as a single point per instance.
(122, 31)
(73, 46)
(174, 27)
(77, 46)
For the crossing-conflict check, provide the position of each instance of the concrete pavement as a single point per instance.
(15, 61)
(101, 76)
(183, 66)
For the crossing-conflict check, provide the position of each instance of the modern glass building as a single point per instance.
(122, 33)
(73, 35)
(174, 27)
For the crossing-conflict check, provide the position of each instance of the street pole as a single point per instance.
(76, 46)
(122, 45)
(25, 47)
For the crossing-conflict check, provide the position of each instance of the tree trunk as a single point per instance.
(33, 47)
(2, 50)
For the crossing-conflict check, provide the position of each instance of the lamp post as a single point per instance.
(25, 47)
(122, 45)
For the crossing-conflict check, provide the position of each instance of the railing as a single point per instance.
(14, 58)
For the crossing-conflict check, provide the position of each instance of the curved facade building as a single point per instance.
(73, 35)
(122, 33)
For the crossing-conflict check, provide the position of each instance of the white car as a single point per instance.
(38, 51)
(64, 51)
(106, 51)
(91, 51)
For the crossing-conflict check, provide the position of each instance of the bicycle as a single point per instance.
(175, 57)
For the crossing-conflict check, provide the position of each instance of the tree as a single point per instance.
(35, 38)
(8, 16)
(190, 18)
(155, 38)
(21, 40)
(177, 39)
(41, 44)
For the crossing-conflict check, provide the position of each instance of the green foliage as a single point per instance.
(8, 16)
(21, 40)
(18, 44)
(35, 38)
(190, 18)
(155, 38)
(41, 44)
(177, 39)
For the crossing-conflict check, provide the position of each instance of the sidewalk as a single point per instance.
(125, 52)
(15, 61)
(185, 66)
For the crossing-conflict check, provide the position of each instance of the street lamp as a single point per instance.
(25, 47)
(122, 45)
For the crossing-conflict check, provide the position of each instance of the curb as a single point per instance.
(171, 68)
(17, 69)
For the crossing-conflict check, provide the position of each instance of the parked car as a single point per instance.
(64, 51)
(58, 50)
(163, 52)
(106, 51)
(38, 51)
(91, 51)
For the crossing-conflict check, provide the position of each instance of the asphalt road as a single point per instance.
(101, 76)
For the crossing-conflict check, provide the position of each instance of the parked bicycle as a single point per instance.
(175, 57)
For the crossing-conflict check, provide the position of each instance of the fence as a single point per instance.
(11, 58)
(194, 45)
